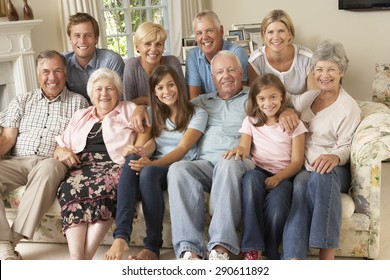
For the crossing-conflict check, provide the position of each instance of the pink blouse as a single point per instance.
(116, 128)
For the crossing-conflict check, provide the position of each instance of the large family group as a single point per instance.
(267, 137)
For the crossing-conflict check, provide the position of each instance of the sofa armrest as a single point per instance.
(370, 145)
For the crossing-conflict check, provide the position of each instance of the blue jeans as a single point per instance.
(264, 212)
(187, 182)
(150, 184)
(315, 215)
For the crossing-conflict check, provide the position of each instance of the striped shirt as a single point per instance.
(39, 120)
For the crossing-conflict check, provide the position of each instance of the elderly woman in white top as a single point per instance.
(331, 116)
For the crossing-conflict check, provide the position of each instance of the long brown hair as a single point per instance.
(160, 111)
(260, 83)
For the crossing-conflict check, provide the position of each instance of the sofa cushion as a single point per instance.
(381, 84)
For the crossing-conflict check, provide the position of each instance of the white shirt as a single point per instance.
(294, 79)
(331, 129)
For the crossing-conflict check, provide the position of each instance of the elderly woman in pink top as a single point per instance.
(91, 147)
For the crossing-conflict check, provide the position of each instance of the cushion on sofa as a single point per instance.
(381, 84)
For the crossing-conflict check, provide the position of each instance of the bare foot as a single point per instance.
(145, 254)
(118, 247)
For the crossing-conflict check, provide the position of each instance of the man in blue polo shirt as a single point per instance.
(209, 38)
(83, 32)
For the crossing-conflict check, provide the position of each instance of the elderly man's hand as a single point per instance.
(288, 120)
(138, 117)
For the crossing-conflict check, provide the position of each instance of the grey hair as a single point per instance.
(104, 73)
(228, 54)
(330, 51)
(209, 15)
(49, 54)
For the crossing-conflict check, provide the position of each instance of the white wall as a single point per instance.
(48, 34)
(365, 35)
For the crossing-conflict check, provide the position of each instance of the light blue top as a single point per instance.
(168, 139)
(225, 120)
(78, 77)
(198, 69)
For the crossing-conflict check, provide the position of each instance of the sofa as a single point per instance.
(360, 207)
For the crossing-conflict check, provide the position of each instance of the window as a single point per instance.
(122, 18)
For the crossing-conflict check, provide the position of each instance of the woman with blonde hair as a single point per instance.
(149, 40)
(290, 62)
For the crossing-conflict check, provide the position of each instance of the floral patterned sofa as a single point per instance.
(361, 215)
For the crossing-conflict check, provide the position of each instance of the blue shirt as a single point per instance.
(168, 139)
(198, 69)
(78, 77)
(225, 120)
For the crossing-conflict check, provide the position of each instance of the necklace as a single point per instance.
(93, 134)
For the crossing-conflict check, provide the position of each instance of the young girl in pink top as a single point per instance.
(267, 190)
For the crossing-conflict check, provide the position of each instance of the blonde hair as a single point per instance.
(277, 15)
(149, 32)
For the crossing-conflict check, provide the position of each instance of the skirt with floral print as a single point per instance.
(88, 193)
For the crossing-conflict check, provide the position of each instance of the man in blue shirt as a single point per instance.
(83, 32)
(188, 180)
(209, 38)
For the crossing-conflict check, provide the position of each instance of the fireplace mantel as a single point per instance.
(17, 62)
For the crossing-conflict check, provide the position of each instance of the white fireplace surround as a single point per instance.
(17, 62)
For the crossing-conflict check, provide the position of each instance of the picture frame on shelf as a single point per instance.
(255, 37)
(231, 38)
(189, 42)
(248, 28)
(237, 32)
(185, 51)
(247, 45)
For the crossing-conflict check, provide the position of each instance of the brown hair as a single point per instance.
(80, 18)
(160, 111)
(260, 83)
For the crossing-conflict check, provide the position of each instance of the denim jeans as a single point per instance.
(187, 182)
(315, 215)
(264, 212)
(150, 184)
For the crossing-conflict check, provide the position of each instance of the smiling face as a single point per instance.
(227, 76)
(104, 96)
(151, 52)
(277, 36)
(209, 37)
(269, 100)
(166, 91)
(83, 40)
(51, 76)
(328, 75)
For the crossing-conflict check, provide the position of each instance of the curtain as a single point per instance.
(181, 15)
(70, 7)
